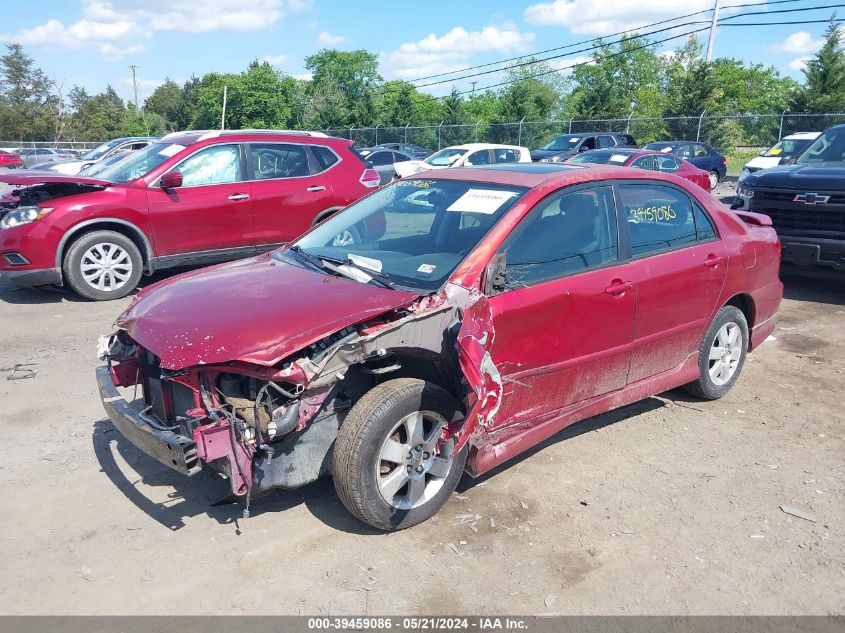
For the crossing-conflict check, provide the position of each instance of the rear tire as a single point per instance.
(714, 180)
(391, 467)
(721, 354)
(103, 265)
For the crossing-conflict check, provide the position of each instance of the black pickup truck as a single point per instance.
(805, 198)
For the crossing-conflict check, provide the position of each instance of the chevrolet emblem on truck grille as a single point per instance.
(811, 198)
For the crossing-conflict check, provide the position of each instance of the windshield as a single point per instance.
(563, 143)
(140, 162)
(445, 157)
(787, 147)
(96, 169)
(413, 233)
(828, 148)
(98, 152)
(598, 158)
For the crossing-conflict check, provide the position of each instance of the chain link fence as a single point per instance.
(739, 136)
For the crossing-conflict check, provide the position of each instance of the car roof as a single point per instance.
(799, 136)
(535, 174)
(476, 146)
(593, 134)
(195, 136)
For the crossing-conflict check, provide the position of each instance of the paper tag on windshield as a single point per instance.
(666, 150)
(426, 268)
(485, 201)
(618, 158)
(365, 262)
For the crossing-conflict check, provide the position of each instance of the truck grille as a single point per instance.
(790, 216)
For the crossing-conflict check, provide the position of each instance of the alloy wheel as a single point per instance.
(413, 461)
(725, 353)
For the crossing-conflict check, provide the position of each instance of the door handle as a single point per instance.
(712, 261)
(618, 287)
(239, 196)
(316, 188)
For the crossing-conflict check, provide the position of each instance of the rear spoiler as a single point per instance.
(754, 219)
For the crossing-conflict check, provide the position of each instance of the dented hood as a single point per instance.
(257, 310)
(28, 177)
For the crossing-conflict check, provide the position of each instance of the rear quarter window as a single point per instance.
(324, 156)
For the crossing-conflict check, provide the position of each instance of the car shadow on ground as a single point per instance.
(36, 296)
(814, 285)
(201, 494)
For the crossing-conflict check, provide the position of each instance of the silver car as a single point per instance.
(100, 153)
(46, 155)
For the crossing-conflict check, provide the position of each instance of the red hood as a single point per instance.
(255, 310)
(34, 177)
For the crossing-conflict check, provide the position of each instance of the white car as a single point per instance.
(788, 146)
(469, 155)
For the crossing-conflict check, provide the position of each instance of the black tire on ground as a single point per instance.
(113, 288)
(727, 319)
(357, 463)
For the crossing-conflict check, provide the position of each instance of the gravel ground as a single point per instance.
(668, 506)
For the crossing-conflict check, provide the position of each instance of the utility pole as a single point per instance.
(473, 88)
(712, 31)
(133, 68)
(223, 116)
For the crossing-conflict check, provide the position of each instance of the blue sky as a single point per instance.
(92, 42)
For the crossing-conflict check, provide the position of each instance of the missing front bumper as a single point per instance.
(171, 449)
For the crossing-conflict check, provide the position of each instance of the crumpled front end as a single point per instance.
(274, 426)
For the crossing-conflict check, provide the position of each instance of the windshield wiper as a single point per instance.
(317, 262)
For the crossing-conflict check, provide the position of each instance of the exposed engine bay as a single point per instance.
(39, 193)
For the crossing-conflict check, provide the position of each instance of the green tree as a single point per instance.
(28, 108)
(354, 74)
(824, 86)
(99, 118)
(166, 101)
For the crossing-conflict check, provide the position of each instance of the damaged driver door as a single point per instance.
(563, 314)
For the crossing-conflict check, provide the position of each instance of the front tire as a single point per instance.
(103, 265)
(392, 468)
(721, 354)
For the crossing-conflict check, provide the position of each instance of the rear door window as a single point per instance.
(644, 162)
(659, 218)
(699, 151)
(505, 155)
(381, 159)
(605, 141)
(271, 161)
(666, 163)
(481, 157)
(400, 158)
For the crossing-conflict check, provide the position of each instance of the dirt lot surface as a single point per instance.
(669, 506)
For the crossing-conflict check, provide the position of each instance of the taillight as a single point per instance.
(370, 178)
(725, 161)
(63, 156)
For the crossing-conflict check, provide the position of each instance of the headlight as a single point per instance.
(551, 159)
(744, 192)
(23, 215)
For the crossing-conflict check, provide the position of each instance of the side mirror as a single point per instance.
(496, 278)
(171, 180)
(787, 160)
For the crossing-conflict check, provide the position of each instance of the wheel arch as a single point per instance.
(325, 214)
(745, 304)
(107, 224)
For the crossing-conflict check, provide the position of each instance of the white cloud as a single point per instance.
(602, 17)
(104, 23)
(327, 39)
(450, 52)
(113, 53)
(274, 60)
(800, 42)
(799, 63)
(568, 64)
(304, 76)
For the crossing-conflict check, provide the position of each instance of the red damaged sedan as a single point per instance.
(476, 313)
(644, 159)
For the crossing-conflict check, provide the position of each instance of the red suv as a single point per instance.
(190, 198)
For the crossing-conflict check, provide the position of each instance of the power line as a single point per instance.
(595, 39)
(602, 43)
(621, 53)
